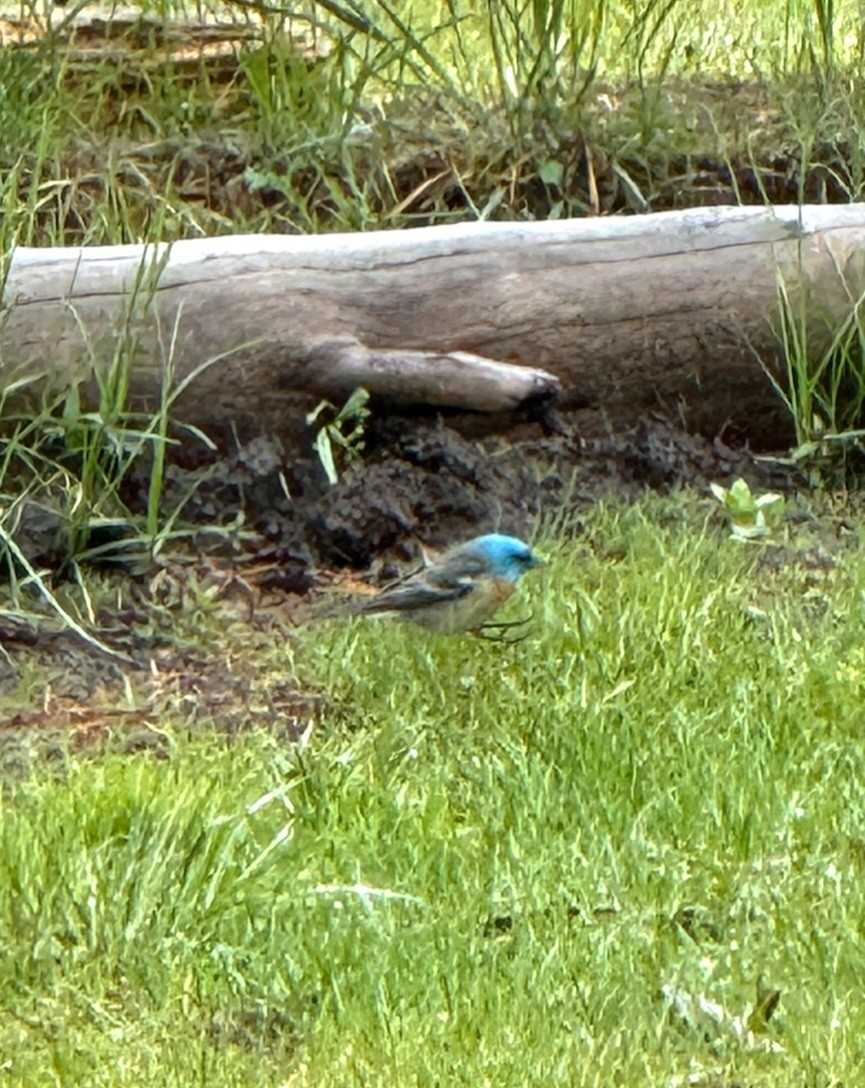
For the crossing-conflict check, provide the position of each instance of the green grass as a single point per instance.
(497, 100)
(582, 859)
(570, 860)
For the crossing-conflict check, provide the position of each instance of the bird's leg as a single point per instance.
(501, 636)
(505, 624)
(497, 632)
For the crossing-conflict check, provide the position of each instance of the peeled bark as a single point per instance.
(675, 310)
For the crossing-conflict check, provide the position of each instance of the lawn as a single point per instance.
(625, 850)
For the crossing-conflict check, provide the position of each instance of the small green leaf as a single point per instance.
(739, 500)
(751, 516)
(325, 454)
(551, 172)
(354, 406)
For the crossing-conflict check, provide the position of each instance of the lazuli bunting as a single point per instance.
(462, 589)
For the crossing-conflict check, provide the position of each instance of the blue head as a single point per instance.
(508, 557)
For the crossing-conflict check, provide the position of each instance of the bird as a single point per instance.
(461, 590)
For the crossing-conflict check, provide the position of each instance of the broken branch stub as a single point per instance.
(453, 379)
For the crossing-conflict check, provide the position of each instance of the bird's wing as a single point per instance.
(458, 566)
(418, 593)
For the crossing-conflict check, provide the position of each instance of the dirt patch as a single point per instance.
(422, 481)
(166, 659)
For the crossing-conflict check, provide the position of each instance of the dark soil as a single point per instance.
(421, 481)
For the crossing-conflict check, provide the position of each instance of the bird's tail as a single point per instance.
(343, 601)
(351, 597)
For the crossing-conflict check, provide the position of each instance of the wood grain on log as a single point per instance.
(673, 309)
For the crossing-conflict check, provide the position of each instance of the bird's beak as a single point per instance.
(539, 559)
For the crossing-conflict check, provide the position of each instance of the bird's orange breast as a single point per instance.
(502, 589)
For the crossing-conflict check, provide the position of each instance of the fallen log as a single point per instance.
(676, 310)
